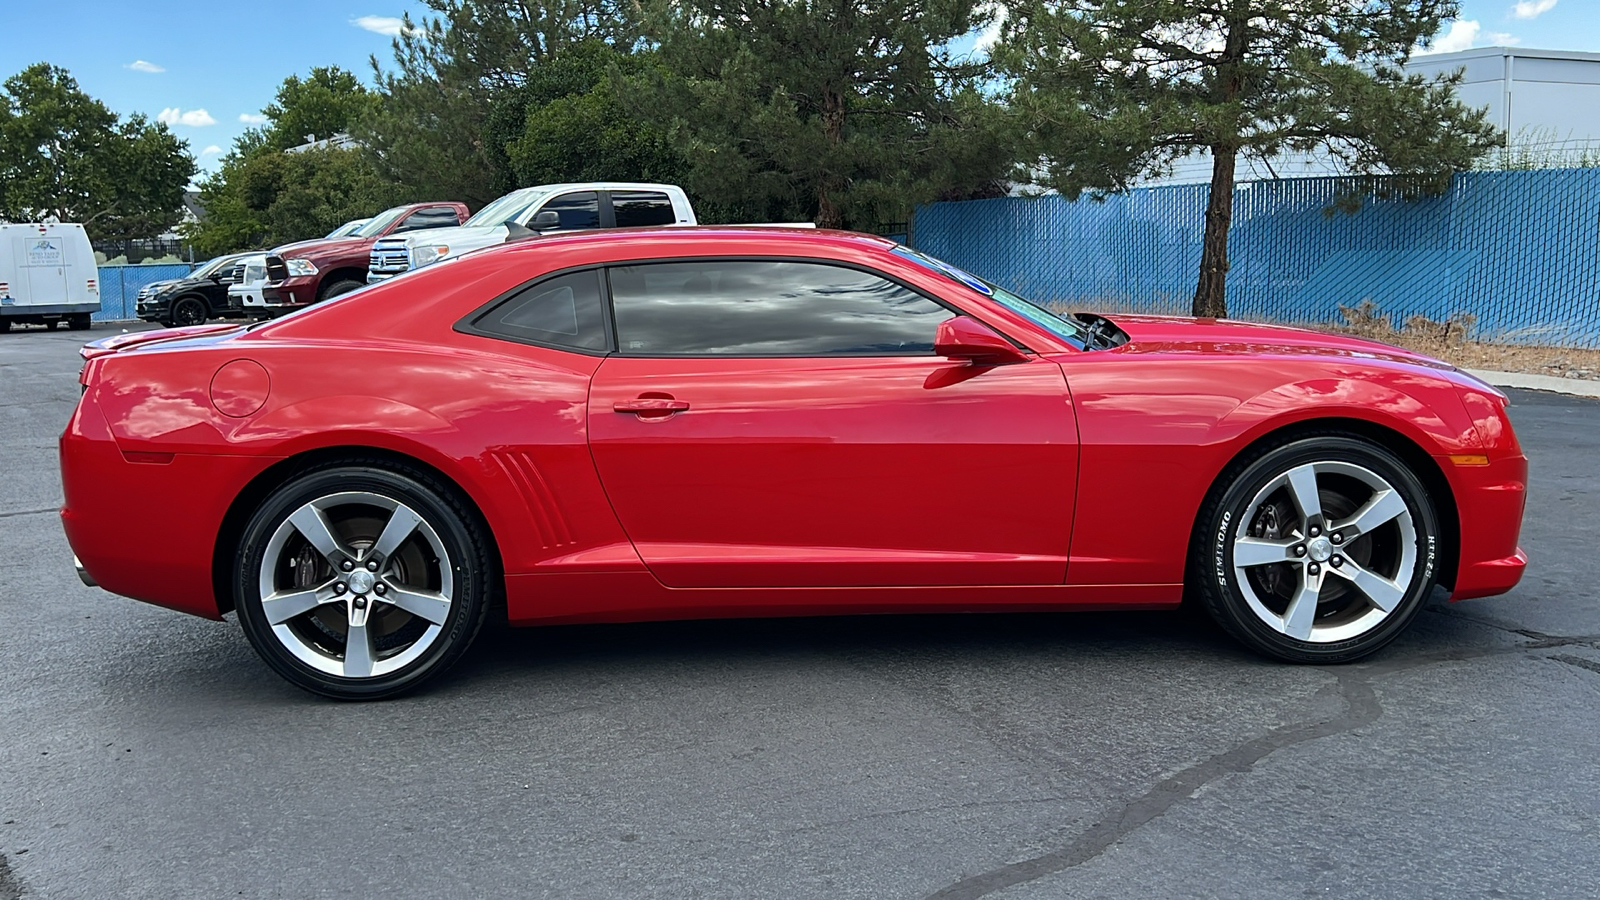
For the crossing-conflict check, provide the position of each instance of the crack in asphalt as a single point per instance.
(1352, 684)
(1361, 708)
(26, 512)
(1578, 661)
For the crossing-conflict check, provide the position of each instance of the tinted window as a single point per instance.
(636, 208)
(728, 308)
(580, 210)
(564, 311)
(436, 217)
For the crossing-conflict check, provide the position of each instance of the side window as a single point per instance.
(432, 217)
(636, 208)
(564, 311)
(758, 308)
(578, 210)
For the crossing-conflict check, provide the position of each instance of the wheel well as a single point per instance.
(1422, 464)
(238, 514)
(338, 275)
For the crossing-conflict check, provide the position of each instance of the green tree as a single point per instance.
(63, 153)
(463, 82)
(263, 197)
(570, 125)
(1113, 90)
(847, 113)
(326, 102)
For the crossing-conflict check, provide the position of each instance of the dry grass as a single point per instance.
(1445, 340)
(1448, 341)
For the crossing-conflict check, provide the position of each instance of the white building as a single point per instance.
(1546, 101)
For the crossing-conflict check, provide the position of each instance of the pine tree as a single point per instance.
(840, 111)
(1116, 90)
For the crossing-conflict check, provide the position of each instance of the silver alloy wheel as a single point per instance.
(1372, 549)
(390, 589)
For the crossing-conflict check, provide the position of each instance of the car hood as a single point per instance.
(323, 246)
(1178, 334)
(455, 234)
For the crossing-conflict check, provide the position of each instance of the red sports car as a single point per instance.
(733, 422)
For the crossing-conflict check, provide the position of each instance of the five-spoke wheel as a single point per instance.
(358, 582)
(1320, 550)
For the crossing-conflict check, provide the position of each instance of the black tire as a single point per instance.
(1338, 630)
(461, 537)
(187, 311)
(79, 322)
(342, 286)
(5, 325)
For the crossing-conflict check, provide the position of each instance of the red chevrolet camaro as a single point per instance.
(732, 422)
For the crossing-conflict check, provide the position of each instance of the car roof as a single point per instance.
(776, 237)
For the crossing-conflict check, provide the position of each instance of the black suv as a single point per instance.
(191, 300)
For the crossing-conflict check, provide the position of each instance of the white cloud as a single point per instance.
(1503, 39)
(1461, 35)
(210, 150)
(390, 26)
(991, 32)
(251, 118)
(140, 65)
(194, 118)
(1532, 9)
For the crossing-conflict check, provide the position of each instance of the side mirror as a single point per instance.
(545, 219)
(964, 337)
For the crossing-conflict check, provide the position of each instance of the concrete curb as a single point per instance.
(1577, 387)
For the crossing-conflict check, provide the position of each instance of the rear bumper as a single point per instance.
(83, 574)
(146, 530)
(22, 310)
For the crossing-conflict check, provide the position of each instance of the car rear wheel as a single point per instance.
(1321, 550)
(343, 286)
(360, 582)
(188, 311)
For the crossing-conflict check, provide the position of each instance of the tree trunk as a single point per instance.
(828, 213)
(1211, 294)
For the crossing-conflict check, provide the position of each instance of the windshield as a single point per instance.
(379, 222)
(213, 266)
(1057, 323)
(509, 207)
(348, 228)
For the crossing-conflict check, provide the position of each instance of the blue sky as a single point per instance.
(205, 65)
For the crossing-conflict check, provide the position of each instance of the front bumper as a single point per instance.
(1490, 500)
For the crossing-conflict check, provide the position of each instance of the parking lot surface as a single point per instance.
(148, 754)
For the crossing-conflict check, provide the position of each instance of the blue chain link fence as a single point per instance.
(119, 288)
(1520, 251)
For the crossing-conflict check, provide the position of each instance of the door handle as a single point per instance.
(646, 405)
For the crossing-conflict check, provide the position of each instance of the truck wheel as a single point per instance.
(5, 325)
(342, 286)
(78, 322)
(188, 311)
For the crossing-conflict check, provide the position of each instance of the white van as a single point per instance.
(48, 276)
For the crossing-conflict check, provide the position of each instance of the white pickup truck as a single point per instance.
(529, 211)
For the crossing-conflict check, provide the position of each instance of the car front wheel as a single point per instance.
(361, 581)
(1321, 550)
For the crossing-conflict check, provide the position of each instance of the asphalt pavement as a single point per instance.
(145, 754)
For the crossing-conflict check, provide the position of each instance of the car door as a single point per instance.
(786, 423)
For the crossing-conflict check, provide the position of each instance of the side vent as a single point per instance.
(521, 471)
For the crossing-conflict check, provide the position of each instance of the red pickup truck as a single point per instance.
(303, 273)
